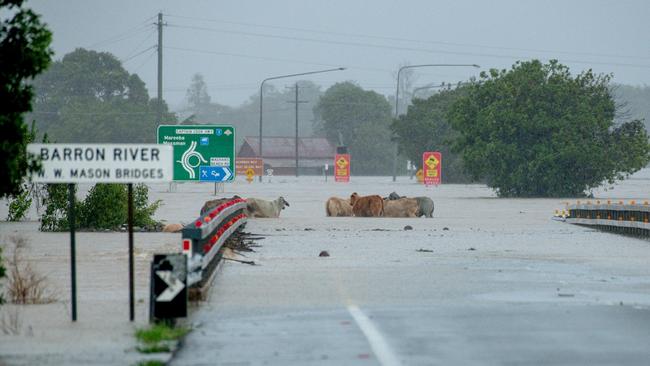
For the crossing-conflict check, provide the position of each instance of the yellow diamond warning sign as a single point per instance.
(432, 162)
(342, 163)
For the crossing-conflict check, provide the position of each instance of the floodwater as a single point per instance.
(493, 272)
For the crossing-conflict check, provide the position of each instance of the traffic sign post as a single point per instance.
(342, 168)
(101, 163)
(202, 153)
(432, 167)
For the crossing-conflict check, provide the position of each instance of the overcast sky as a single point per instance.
(236, 44)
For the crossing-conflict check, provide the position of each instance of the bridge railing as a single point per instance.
(203, 238)
(628, 218)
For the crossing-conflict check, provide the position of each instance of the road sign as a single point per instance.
(102, 163)
(342, 167)
(169, 287)
(250, 173)
(243, 164)
(199, 146)
(432, 167)
(214, 174)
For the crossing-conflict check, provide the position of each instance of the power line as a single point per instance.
(271, 58)
(397, 48)
(137, 54)
(120, 37)
(411, 40)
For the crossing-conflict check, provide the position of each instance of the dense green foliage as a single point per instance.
(425, 128)
(105, 207)
(89, 97)
(361, 119)
(24, 53)
(55, 201)
(536, 130)
(19, 205)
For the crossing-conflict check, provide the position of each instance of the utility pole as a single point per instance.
(296, 142)
(160, 60)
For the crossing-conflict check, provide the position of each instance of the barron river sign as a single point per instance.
(102, 163)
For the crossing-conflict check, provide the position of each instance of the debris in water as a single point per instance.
(408, 227)
(445, 228)
(424, 250)
(471, 248)
(324, 253)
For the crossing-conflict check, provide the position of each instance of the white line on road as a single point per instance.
(379, 346)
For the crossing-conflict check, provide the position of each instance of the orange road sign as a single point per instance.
(432, 167)
(342, 168)
(243, 164)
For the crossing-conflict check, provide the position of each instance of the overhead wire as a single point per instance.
(402, 39)
(392, 47)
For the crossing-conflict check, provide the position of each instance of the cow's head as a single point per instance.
(282, 203)
(353, 198)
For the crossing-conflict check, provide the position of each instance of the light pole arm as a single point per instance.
(282, 77)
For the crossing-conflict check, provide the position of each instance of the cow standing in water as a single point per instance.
(338, 207)
(367, 206)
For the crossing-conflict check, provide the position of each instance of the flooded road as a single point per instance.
(486, 281)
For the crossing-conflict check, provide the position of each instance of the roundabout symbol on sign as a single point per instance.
(187, 155)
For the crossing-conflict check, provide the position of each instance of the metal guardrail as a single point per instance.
(631, 218)
(203, 238)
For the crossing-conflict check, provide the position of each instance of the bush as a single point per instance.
(56, 204)
(105, 207)
(19, 205)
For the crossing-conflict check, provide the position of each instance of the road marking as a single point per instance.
(379, 346)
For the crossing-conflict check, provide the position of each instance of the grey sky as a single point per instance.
(242, 42)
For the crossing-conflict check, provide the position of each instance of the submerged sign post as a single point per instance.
(342, 168)
(202, 153)
(101, 163)
(432, 167)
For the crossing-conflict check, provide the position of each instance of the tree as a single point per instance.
(24, 53)
(425, 127)
(361, 118)
(88, 96)
(197, 94)
(536, 130)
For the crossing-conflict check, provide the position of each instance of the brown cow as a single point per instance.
(403, 207)
(367, 206)
(338, 207)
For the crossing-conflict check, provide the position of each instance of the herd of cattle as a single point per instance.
(375, 206)
(361, 206)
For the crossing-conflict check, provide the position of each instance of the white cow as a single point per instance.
(256, 207)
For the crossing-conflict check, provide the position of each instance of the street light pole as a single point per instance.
(282, 77)
(397, 99)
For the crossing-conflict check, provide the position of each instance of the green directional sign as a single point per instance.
(202, 153)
